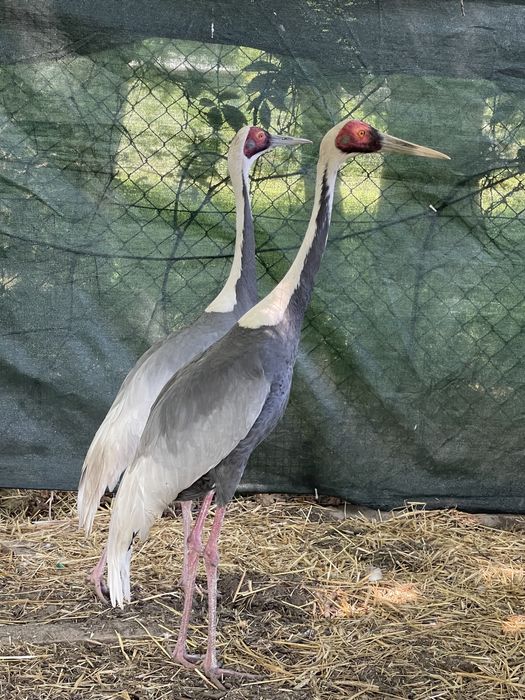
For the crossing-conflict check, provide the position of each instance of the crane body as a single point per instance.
(116, 441)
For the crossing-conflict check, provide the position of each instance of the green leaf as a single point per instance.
(228, 94)
(214, 118)
(282, 80)
(233, 116)
(206, 102)
(255, 103)
(265, 115)
(276, 98)
(259, 84)
(261, 66)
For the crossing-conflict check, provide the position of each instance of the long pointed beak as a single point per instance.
(277, 140)
(390, 144)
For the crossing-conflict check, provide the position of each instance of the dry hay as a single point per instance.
(420, 605)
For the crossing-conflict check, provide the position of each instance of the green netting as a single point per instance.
(116, 226)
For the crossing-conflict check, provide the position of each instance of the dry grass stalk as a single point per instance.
(423, 605)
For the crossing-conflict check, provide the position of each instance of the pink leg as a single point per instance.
(194, 551)
(96, 578)
(211, 560)
(187, 524)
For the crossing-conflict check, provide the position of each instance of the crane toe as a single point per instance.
(216, 674)
(99, 586)
(189, 661)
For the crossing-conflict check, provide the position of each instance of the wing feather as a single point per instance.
(116, 441)
(207, 409)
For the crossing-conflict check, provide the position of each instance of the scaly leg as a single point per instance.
(194, 551)
(187, 524)
(96, 577)
(211, 561)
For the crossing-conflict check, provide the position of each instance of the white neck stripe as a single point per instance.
(271, 310)
(227, 298)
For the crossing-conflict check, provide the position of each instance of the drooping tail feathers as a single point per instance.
(111, 451)
(140, 499)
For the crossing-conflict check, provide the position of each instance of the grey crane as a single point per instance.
(214, 412)
(117, 438)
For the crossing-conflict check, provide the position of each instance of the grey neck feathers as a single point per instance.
(301, 296)
(240, 289)
(246, 286)
(286, 304)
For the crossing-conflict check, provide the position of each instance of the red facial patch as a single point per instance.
(257, 140)
(358, 137)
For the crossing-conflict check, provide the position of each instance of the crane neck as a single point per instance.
(290, 298)
(240, 289)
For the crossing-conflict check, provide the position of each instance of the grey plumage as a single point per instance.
(241, 384)
(117, 439)
(212, 414)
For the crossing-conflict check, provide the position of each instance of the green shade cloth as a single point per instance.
(117, 226)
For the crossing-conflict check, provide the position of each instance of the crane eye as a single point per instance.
(261, 135)
(361, 133)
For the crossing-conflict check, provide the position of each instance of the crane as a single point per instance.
(117, 438)
(212, 414)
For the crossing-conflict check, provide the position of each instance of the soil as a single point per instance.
(318, 602)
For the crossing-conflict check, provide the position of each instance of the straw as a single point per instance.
(318, 604)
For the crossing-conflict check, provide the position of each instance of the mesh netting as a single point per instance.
(117, 224)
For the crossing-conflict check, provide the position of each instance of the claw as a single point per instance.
(189, 661)
(96, 578)
(99, 586)
(217, 673)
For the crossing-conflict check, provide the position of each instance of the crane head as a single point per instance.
(355, 136)
(259, 141)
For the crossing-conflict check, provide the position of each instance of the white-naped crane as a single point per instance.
(214, 412)
(115, 442)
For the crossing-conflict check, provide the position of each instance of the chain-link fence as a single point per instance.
(117, 225)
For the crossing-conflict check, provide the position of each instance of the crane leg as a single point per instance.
(194, 545)
(187, 524)
(211, 561)
(96, 577)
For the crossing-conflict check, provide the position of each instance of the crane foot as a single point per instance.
(216, 674)
(99, 586)
(190, 661)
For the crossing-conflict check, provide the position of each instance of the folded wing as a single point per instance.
(198, 419)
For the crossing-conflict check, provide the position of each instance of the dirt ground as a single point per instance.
(319, 601)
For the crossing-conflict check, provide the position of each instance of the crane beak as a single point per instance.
(289, 141)
(390, 144)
